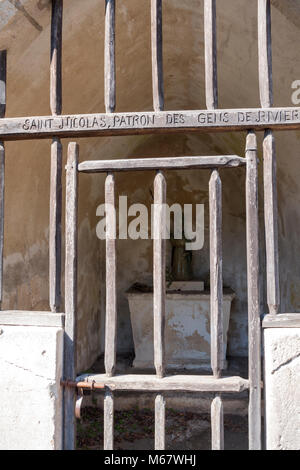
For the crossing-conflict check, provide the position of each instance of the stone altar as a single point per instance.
(187, 333)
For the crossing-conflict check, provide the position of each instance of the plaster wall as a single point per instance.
(26, 36)
(31, 357)
(282, 388)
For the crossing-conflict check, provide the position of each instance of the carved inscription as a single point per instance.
(147, 122)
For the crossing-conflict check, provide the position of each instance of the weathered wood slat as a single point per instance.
(166, 163)
(108, 420)
(109, 57)
(89, 125)
(111, 275)
(160, 422)
(2, 194)
(182, 383)
(70, 292)
(216, 280)
(3, 66)
(55, 226)
(265, 53)
(254, 333)
(159, 272)
(282, 320)
(217, 424)
(271, 222)
(157, 55)
(55, 60)
(3, 57)
(210, 33)
(56, 159)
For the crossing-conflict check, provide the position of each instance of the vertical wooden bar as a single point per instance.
(56, 159)
(271, 222)
(159, 276)
(3, 62)
(109, 57)
(159, 272)
(270, 183)
(157, 55)
(216, 281)
(111, 274)
(265, 53)
(55, 226)
(160, 422)
(55, 60)
(70, 293)
(217, 424)
(216, 304)
(254, 331)
(210, 40)
(108, 420)
(3, 56)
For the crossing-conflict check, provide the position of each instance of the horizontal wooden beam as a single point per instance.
(89, 125)
(173, 163)
(182, 383)
(282, 320)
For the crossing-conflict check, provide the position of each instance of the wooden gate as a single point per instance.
(212, 119)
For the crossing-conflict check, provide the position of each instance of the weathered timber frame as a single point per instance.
(213, 119)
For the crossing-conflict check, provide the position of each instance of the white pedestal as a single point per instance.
(282, 387)
(187, 328)
(31, 358)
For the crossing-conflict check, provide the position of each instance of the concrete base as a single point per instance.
(31, 359)
(187, 333)
(282, 388)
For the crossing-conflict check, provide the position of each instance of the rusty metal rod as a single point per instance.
(83, 385)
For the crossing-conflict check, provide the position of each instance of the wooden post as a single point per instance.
(70, 294)
(210, 40)
(265, 53)
(157, 55)
(3, 56)
(108, 420)
(271, 222)
(216, 280)
(111, 274)
(270, 183)
(217, 424)
(55, 61)
(254, 332)
(3, 73)
(159, 272)
(56, 159)
(160, 422)
(109, 57)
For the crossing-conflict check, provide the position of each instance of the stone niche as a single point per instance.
(187, 334)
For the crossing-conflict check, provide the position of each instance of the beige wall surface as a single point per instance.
(25, 32)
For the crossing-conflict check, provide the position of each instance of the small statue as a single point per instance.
(181, 260)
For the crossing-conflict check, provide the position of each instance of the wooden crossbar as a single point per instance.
(180, 383)
(162, 122)
(165, 163)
